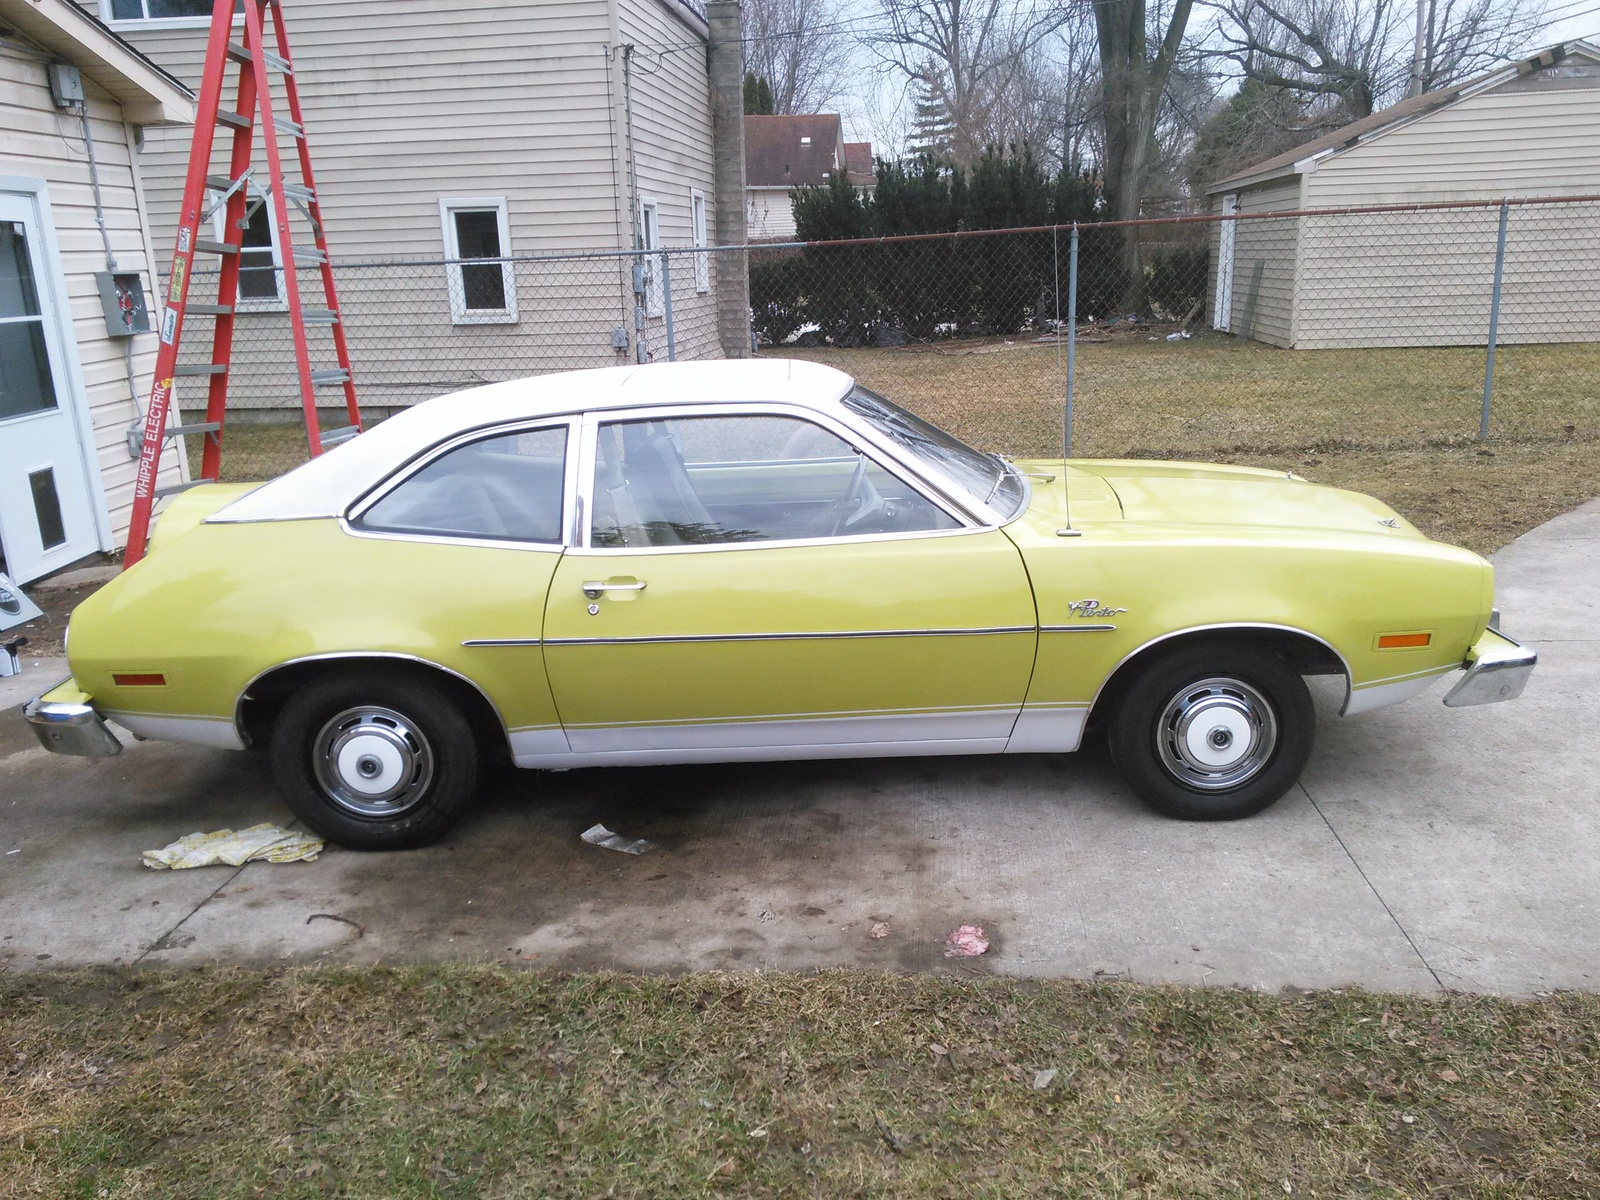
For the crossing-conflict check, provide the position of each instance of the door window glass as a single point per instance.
(47, 508)
(507, 488)
(699, 480)
(25, 382)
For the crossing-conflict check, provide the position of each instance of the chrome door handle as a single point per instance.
(594, 588)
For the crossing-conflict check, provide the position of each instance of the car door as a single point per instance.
(751, 585)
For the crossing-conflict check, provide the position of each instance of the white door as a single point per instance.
(46, 510)
(1222, 306)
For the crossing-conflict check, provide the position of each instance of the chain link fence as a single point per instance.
(1193, 337)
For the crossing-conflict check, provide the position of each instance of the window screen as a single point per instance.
(508, 488)
(700, 480)
(478, 236)
(258, 276)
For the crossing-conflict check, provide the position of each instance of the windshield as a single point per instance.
(989, 479)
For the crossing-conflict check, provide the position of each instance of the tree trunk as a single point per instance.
(1132, 84)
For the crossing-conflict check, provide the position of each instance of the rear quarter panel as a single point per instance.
(219, 605)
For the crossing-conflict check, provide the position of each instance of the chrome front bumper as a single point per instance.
(1497, 669)
(67, 728)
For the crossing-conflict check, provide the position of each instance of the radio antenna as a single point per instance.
(1072, 353)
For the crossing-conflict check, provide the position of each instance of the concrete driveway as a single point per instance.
(1427, 848)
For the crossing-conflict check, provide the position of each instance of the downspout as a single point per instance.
(633, 160)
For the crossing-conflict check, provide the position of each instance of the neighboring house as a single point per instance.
(72, 382)
(784, 152)
(1529, 129)
(451, 130)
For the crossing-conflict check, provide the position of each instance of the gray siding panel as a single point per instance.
(520, 100)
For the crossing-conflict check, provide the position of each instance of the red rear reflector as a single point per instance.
(1403, 641)
(139, 680)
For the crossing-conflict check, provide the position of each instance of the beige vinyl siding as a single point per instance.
(1264, 255)
(1498, 143)
(520, 100)
(504, 100)
(41, 142)
(1425, 279)
(672, 154)
(769, 214)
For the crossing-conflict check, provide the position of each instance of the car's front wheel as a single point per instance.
(1214, 733)
(373, 760)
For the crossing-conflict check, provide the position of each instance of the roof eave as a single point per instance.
(148, 95)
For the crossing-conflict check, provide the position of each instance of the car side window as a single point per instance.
(506, 488)
(700, 480)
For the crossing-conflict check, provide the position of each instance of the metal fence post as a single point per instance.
(666, 292)
(1072, 331)
(1494, 322)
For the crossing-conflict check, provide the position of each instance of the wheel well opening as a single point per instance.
(1304, 653)
(263, 701)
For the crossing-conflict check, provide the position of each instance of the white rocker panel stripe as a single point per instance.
(721, 754)
(216, 732)
(1048, 729)
(874, 729)
(1384, 692)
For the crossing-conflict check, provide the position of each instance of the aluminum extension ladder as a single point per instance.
(254, 105)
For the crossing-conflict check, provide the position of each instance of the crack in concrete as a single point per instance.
(160, 942)
(1377, 895)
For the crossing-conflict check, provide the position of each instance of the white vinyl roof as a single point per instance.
(329, 484)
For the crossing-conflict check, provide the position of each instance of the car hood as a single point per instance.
(1207, 496)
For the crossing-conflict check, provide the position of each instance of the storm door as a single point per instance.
(46, 510)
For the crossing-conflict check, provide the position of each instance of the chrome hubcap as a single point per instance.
(372, 761)
(1216, 734)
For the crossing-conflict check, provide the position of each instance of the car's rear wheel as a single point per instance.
(373, 760)
(1214, 733)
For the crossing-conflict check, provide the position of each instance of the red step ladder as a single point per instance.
(254, 105)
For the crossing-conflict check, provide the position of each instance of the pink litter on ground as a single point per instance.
(966, 942)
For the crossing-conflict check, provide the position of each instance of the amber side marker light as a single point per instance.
(139, 680)
(1403, 641)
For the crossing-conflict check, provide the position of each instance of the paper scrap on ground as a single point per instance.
(599, 835)
(259, 843)
(965, 942)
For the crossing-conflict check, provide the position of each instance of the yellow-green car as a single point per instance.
(709, 562)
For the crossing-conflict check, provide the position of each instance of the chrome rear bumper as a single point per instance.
(1497, 669)
(65, 728)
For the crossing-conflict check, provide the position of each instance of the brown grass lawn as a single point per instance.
(1400, 424)
(460, 1081)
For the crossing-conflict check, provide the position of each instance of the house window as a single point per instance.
(697, 222)
(650, 239)
(260, 260)
(477, 241)
(188, 12)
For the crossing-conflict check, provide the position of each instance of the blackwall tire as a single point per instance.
(1214, 733)
(373, 760)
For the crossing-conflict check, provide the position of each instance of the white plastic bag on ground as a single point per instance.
(225, 847)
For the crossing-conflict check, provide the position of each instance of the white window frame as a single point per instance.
(697, 227)
(460, 314)
(650, 239)
(219, 226)
(123, 24)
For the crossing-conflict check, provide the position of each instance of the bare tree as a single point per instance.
(965, 52)
(1133, 82)
(1457, 39)
(800, 48)
(1359, 55)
